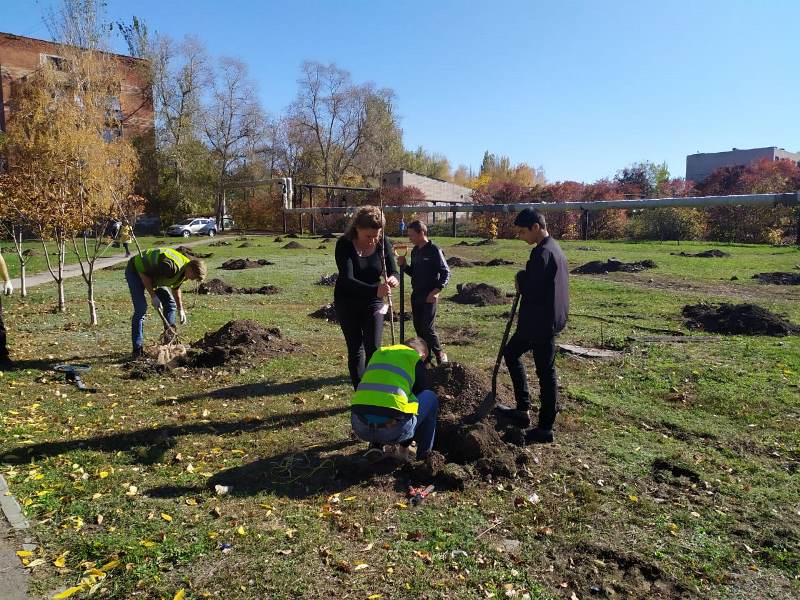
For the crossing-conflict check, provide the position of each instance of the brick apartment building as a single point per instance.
(699, 166)
(20, 56)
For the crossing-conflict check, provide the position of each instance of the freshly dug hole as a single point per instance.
(186, 251)
(457, 261)
(713, 253)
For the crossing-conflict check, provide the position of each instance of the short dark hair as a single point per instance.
(418, 226)
(417, 344)
(528, 217)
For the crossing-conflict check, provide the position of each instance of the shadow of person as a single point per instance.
(148, 446)
(296, 474)
(265, 388)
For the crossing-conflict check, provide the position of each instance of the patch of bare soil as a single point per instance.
(237, 264)
(478, 294)
(292, 236)
(713, 253)
(328, 280)
(220, 243)
(217, 286)
(186, 251)
(778, 278)
(606, 572)
(245, 245)
(458, 336)
(293, 246)
(238, 341)
(278, 239)
(598, 267)
(457, 261)
(737, 319)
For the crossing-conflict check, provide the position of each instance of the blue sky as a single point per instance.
(580, 88)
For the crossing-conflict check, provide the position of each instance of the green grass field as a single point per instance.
(674, 473)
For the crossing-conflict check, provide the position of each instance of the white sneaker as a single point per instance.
(442, 358)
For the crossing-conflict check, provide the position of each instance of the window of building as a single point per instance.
(59, 62)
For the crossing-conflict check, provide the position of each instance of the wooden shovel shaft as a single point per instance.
(504, 342)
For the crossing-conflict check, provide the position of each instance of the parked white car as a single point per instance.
(195, 226)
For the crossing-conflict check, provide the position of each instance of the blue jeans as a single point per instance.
(139, 300)
(421, 427)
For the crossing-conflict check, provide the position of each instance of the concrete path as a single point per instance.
(13, 577)
(74, 270)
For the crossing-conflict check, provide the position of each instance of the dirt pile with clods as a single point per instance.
(328, 313)
(327, 280)
(470, 443)
(186, 251)
(479, 294)
(237, 264)
(242, 342)
(713, 253)
(219, 287)
(293, 246)
(738, 319)
(598, 267)
(457, 261)
(778, 278)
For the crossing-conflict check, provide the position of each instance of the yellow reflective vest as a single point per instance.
(147, 263)
(388, 380)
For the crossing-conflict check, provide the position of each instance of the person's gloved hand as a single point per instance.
(8, 289)
(156, 302)
(182, 317)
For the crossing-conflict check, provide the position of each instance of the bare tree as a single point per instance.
(332, 111)
(233, 122)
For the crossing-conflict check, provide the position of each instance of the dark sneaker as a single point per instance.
(539, 436)
(6, 364)
(137, 354)
(519, 417)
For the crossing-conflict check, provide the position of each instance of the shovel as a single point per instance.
(491, 398)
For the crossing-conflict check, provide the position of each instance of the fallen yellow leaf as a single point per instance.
(24, 553)
(166, 517)
(240, 530)
(179, 595)
(61, 561)
(68, 592)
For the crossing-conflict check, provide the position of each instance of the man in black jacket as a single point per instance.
(429, 274)
(544, 304)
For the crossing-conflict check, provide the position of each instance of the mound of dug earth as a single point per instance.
(486, 242)
(495, 262)
(237, 264)
(328, 280)
(220, 243)
(237, 341)
(293, 246)
(779, 278)
(713, 253)
(278, 239)
(738, 319)
(475, 445)
(478, 294)
(217, 286)
(328, 312)
(457, 261)
(186, 251)
(598, 267)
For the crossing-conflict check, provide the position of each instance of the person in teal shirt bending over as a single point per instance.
(160, 272)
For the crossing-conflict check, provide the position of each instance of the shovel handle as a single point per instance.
(504, 342)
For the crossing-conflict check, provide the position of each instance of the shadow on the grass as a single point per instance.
(249, 390)
(296, 474)
(148, 446)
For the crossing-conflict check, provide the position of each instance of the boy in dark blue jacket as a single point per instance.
(429, 274)
(544, 305)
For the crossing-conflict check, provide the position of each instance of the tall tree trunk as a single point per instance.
(90, 298)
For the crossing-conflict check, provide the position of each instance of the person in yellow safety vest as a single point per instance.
(391, 407)
(159, 271)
